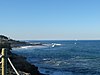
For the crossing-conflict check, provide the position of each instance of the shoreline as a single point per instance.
(19, 62)
(23, 66)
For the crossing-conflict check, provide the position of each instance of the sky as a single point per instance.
(50, 19)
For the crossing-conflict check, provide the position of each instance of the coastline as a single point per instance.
(19, 62)
(23, 66)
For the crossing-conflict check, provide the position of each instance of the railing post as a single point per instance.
(4, 61)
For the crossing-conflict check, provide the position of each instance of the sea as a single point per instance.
(63, 57)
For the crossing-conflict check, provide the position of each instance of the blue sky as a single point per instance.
(50, 19)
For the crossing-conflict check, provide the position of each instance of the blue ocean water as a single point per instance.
(62, 57)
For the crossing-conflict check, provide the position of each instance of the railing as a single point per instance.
(4, 62)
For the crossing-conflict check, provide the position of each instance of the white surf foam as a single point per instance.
(55, 44)
(30, 47)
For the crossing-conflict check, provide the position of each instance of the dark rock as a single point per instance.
(19, 62)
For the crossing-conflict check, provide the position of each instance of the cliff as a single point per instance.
(20, 63)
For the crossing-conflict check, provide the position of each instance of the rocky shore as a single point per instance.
(20, 63)
(23, 67)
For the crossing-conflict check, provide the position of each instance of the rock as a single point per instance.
(19, 62)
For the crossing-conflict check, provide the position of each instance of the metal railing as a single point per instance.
(4, 58)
